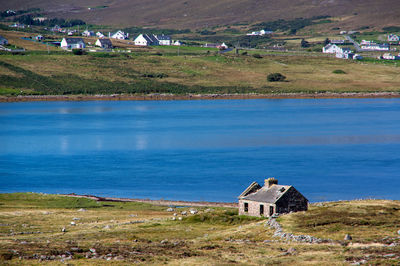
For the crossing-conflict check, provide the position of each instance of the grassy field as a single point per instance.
(127, 232)
(184, 70)
(193, 71)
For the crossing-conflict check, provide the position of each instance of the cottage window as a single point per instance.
(246, 207)
(261, 209)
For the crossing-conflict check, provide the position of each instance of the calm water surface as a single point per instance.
(329, 149)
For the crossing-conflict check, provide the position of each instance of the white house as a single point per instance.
(337, 41)
(88, 33)
(177, 43)
(393, 38)
(146, 39)
(376, 47)
(99, 34)
(364, 42)
(3, 41)
(39, 37)
(344, 53)
(163, 39)
(222, 46)
(389, 56)
(104, 43)
(260, 33)
(332, 49)
(120, 35)
(72, 43)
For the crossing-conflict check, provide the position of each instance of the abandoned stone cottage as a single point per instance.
(270, 199)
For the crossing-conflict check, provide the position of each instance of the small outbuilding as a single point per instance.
(271, 199)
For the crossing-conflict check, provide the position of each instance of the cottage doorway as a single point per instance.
(261, 209)
(271, 210)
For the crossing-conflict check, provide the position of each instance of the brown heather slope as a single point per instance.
(352, 14)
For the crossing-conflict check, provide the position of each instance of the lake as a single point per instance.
(328, 149)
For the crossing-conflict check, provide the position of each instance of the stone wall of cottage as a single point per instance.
(254, 208)
(291, 201)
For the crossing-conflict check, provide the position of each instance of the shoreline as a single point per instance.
(170, 97)
(158, 202)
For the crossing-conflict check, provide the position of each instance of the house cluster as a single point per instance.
(372, 46)
(260, 33)
(79, 43)
(18, 26)
(345, 53)
(271, 199)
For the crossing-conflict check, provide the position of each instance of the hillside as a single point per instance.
(348, 14)
(54, 229)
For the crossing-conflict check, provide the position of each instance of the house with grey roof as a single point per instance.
(72, 43)
(104, 43)
(163, 39)
(146, 39)
(3, 41)
(270, 199)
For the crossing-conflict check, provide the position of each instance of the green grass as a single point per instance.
(144, 72)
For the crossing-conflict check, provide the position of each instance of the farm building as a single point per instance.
(271, 199)
(72, 43)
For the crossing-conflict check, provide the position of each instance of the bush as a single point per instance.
(338, 71)
(257, 56)
(273, 77)
(78, 52)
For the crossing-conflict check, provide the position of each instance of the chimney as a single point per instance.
(270, 181)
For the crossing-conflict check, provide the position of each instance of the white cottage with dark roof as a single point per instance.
(72, 43)
(146, 40)
(104, 43)
(271, 199)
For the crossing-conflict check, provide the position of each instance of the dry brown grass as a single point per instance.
(111, 228)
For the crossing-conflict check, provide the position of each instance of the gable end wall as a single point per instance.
(291, 201)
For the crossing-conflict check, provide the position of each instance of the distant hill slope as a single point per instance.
(205, 13)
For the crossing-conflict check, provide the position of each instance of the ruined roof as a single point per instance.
(252, 188)
(265, 194)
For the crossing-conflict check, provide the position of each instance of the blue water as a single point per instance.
(329, 149)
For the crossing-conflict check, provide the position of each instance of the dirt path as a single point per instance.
(159, 202)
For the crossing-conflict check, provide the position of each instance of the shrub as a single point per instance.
(257, 56)
(273, 77)
(338, 71)
(78, 52)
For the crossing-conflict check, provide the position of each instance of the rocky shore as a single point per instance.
(160, 202)
(166, 97)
